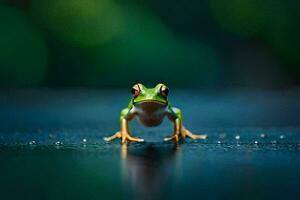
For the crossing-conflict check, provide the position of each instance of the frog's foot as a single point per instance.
(125, 136)
(174, 137)
(185, 132)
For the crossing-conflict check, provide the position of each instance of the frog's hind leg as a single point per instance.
(185, 132)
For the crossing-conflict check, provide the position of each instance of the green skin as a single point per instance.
(150, 106)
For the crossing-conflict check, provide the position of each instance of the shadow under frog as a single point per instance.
(150, 171)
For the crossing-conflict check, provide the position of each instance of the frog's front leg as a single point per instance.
(174, 114)
(124, 133)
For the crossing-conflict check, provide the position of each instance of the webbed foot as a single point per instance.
(125, 137)
(183, 134)
(174, 137)
(186, 132)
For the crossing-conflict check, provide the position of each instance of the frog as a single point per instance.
(151, 106)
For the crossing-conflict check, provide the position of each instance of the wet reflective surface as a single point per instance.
(52, 148)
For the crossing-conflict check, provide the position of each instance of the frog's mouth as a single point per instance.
(150, 105)
(150, 102)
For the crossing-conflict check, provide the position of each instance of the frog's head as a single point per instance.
(156, 95)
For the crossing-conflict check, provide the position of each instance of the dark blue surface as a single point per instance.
(52, 147)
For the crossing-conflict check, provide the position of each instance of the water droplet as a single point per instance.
(281, 136)
(84, 140)
(219, 142)
(263, 135)
(58, 143)
(32, 142)
(237, 137)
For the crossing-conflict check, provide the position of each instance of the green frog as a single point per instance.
(151, 106)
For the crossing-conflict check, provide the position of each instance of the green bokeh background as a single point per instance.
(115, 43)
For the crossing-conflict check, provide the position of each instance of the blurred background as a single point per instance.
(238, 58)
(114, 43)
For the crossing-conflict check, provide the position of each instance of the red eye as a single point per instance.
(164, 90)
(135, 91)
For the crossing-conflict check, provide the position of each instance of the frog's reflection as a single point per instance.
(150, 171)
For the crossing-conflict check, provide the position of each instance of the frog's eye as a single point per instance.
(164, 90)
(135, 91)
